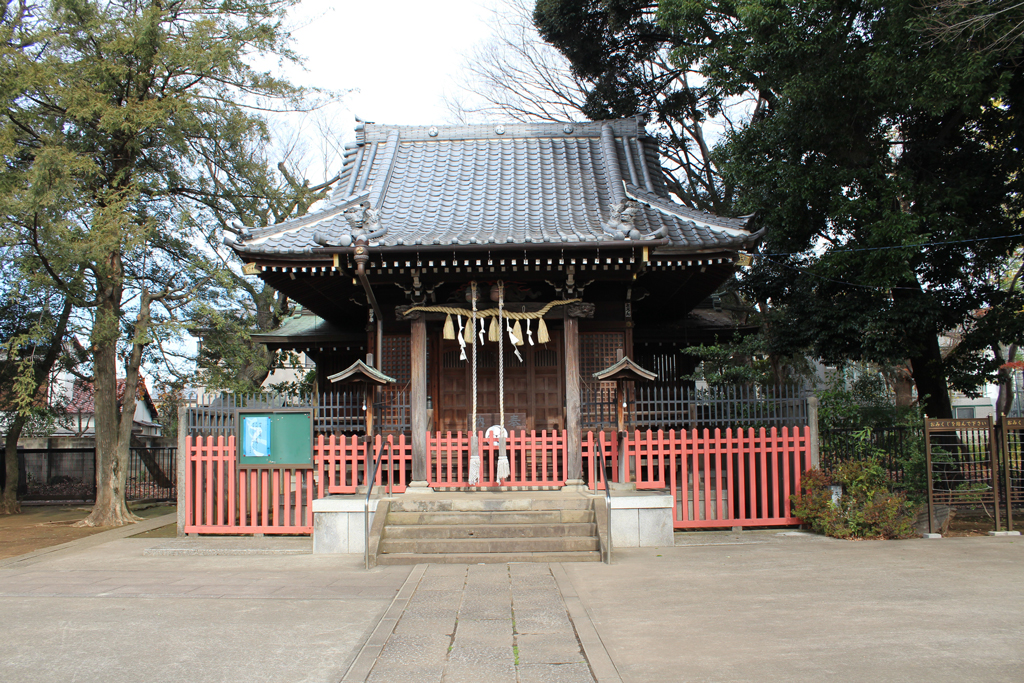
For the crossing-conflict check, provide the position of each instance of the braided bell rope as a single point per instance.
(503, 456)
(474, 446)
(501, 356)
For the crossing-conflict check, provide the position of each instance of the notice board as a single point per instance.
(281, 437)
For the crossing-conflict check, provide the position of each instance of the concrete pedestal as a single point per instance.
(642, 519)
(338, 524)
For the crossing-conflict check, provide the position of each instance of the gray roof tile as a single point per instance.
(468, 185)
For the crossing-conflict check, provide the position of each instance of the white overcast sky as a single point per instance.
(401, 55)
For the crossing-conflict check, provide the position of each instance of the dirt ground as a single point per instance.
(46, 525)
(977, 524)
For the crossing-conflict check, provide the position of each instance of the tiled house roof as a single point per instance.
(534, 183)
(83, 396)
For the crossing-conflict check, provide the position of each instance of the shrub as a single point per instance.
(867, 508)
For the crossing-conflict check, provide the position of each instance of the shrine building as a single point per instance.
(548, 212)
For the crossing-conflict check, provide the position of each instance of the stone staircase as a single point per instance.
(474, 529)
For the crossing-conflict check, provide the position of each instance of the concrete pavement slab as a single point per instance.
(555, 673)
(406, 674)
(748, 606)
(476, 664)
(783, 608)
(488, 632)
(483, 646)
(548, 649)
(100, 609)
(140, 639)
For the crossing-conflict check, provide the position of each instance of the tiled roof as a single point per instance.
(83, 396)
(307, 325)
(302, 323)
(361, 372)
(524, 184)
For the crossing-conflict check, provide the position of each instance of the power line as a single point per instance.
(907, 246)
(803, 271)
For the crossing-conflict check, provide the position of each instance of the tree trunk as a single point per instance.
(1004, 401)
(111, 451)
(9, 505)
(930, 379)
(925, 355)
(903, 385)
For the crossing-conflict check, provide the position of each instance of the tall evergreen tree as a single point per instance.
(118, 107)
(885, 163)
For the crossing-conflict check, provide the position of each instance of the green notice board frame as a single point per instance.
(289, 444)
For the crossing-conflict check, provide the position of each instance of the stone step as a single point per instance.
(487, 545)
(489, 558)
(434, 531)
(574, 516)
(488, 504)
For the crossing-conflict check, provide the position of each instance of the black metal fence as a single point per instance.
(70, 473)
(671, 406)
(58, 473)
(333, 412)
(898, 449)
(152, 474)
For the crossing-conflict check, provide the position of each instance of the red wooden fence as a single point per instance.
(739, 478)
(534, 459)
(341, 462)
(222, 498)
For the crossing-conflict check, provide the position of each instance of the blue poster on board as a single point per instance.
(256, 437)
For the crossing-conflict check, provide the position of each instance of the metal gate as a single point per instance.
(970, 463)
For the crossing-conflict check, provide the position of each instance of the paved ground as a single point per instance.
(751, 606)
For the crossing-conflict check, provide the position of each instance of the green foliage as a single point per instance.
(867, 508)
(32, 340)
(862, 424)
(114, 119)
(305, 386)
(740, 361)
(866, 404)
(884, 165)
(744, 360)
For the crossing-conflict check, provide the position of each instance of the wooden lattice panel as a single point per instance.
(533, 386)
(598, 350)
(545, 358)
(396, 358)
(452, 359)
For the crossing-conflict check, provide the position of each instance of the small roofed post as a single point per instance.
(622, 371)
(361, 373)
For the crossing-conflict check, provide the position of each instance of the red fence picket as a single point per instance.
(341, 462)
(740, 478)
(223, 498)
(534, 459)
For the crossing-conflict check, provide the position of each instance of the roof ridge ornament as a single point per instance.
(620, 223)
(364, 226)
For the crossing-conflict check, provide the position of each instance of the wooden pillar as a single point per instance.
(369, 397)
(418, 399)
(573, 417)
(620, 406)
(373, 360)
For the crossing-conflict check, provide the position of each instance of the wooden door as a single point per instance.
(533, 387)
(454, 396)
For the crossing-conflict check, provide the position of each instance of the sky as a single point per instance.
(396, 59)
(399, 56)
